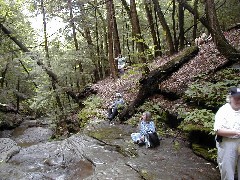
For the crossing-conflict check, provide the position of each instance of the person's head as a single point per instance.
(146, 116)
(118, 95)
(234, 94)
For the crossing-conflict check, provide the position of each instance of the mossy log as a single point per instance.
(149, 83)
(80, 96)
(7, 108)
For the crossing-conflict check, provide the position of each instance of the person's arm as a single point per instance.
(227, 133)
(142, 129)
(152, 127)
(114, 103)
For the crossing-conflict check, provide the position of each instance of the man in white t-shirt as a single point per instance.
(121, 62)
(227, 128)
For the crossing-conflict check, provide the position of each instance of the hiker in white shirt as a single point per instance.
(227, 128)
(121, 62)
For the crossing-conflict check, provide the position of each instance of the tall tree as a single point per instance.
(45, 31)
(148, 8)
(195, 19)
(78, 66)
(212, 24)
(181, 25)
(136, 31)
(174, 25)
(113, 69)
(220, 41)
(165, 26)
(117, 47)
(54, 82)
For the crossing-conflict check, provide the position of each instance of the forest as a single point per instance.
(58, 60)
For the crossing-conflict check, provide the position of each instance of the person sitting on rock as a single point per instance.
(145, 126)
(113, 110)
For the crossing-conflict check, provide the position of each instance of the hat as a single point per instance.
(235, 91)
(118, 95)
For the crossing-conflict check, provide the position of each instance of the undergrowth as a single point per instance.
(92, 106)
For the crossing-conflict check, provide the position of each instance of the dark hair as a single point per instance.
(148, 115)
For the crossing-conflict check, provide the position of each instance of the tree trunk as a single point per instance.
(157, 30)
(18, 99)
(45, 32)
(211, 23)
(148, 8)
(202, 19)
(98, 66)
(3, 74)
(181, 25)
(165, 26)
(112, 64)
(195, 19)
(13, 38)
(149, 85)
(220, 41)
(79, 64)
(175, 39)
(136, 32)
(117, 48)
(73, 25)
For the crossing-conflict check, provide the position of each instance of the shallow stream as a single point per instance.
(39, 158)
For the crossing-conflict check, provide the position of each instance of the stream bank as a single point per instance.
(100, 151)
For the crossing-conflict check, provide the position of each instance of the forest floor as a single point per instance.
(207, 60)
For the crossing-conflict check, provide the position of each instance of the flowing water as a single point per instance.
(38, 157)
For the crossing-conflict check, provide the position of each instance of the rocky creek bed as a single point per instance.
(100, 151)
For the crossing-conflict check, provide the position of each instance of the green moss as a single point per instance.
(108, 133)
(186, 52)
(195, 127)
(203, 152)
(145, 174)
(128, 151)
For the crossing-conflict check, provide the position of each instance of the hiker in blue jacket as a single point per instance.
(113, 110)
(146, 125)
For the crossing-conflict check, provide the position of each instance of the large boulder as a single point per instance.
(8, 148)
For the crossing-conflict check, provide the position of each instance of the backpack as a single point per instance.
(152, 140)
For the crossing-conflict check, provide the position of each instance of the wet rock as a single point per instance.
(51, 160)
(24, 136)
(8, 148)
(102, 151)
(10, 120)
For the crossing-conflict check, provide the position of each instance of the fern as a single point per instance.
(202, 120)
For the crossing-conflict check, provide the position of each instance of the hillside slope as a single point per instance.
(207, 60)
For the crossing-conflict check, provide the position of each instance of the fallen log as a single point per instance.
(6, 108)
(149, 84)
(81, 96)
